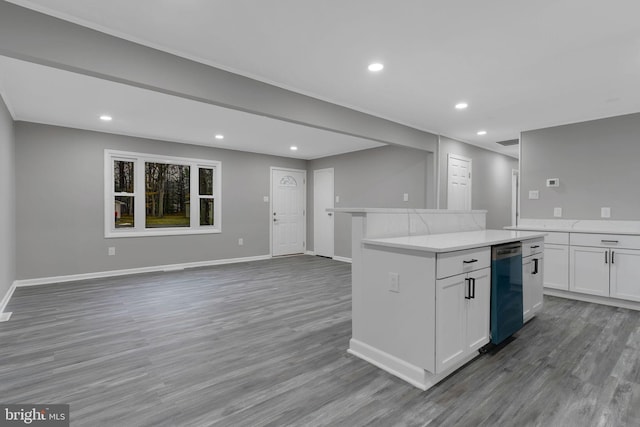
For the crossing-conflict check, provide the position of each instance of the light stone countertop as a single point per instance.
(448, 242)
(604, 229)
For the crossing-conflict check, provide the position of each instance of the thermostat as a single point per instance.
(553, 182)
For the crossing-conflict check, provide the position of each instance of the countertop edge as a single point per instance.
(571, 230)
(441, 249)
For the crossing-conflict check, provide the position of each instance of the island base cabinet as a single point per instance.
(462, 316)
(532, 292)
(556, 269)
(625, 274)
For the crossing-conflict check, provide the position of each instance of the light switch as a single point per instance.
(557, 212)
(265, 198)
(405, 197)
(111, 251)
(605, 212)
(534, 194)
(337, 199)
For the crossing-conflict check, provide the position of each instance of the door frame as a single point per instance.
(515, 203)
(333, 228)
(304, 208)
(466, 159)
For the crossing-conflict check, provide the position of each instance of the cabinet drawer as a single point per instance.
(452, 263)
(605, 240)
(530, 247)
(557, 238)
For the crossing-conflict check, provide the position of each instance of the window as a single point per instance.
(151, 195)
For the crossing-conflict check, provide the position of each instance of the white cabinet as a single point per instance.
(532, 277)
(589, 270)
(532, 294)
(556, 269)
(625, 274)
(462, 316)
(605, 265)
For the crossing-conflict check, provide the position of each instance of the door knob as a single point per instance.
(274, 220)
(329, 214)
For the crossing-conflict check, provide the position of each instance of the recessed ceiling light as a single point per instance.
(219, 136)
(376, 66)
(293, 148)
(461, 105)
(482, 132)
(106, 118)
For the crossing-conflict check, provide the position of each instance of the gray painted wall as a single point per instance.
(39, 38)
(596, 162)
(60, 226)
(8, 206)
(371, 178)
(491, 180)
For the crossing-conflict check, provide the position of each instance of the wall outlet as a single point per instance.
(240, 241)
(111, 251)
(394, 282)
(534, 194)
(557, 212)
(605, 212)
(337, 199)
(265, 199)
(405, 197)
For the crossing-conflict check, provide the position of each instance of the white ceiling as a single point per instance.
(77, 101)
(520, 65)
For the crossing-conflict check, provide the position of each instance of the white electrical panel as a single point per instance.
(553, 182)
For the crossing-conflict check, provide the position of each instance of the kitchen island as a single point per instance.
(414, 312)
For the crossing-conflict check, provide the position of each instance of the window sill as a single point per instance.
(159, 232)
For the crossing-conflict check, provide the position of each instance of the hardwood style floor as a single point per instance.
(264, 344)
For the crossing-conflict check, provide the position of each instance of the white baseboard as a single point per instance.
(412, 374)
(312, 253)
(402, 369)
(614, 302)
(342, 259)
(5, 300)
(125, 272)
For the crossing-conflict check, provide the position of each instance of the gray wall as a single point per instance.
(596, 162)
(35, 37)
(491, 180)
(60, 226)
(8, 197)
(371, 178)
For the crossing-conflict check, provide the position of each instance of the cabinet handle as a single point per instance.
(467, 288)
(535, 266)
(608, 241)
(613, 257)
(535, 247)
(473, 295)
(606, 257)
(470, 261)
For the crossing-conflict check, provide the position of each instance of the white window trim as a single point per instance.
(139, 229)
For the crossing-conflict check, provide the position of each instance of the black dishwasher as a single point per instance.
(506, 291)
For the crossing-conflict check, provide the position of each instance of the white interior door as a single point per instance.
(458, 182)
(288, 200)
(323, 221)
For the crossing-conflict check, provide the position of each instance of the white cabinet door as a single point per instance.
(450, 321)
(589, 272)
(527, 295)
(556, 270)
(535, 289)
(479, 309)
(625, 274)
